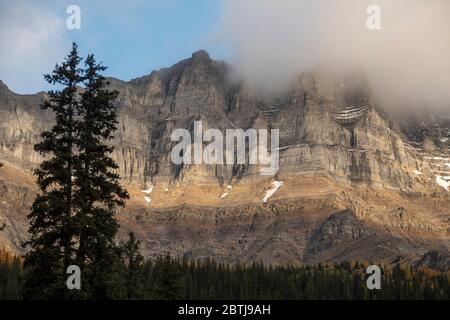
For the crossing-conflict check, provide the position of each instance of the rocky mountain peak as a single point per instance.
(200, 55)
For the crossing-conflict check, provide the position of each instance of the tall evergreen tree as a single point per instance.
(99, 192)
(168, 280)
(72, 220)
(133, 262)
(52, 229)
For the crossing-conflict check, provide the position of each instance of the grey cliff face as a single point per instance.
(334, 138)
(318, 131)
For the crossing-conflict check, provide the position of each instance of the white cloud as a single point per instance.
(31, 41)
(408, 60)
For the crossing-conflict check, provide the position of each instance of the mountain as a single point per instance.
(355, 182)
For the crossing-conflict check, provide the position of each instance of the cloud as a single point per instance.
(407, 61)
(31, 41)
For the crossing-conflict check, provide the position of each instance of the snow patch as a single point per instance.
(276, 185)
(437, 158)
(417, 172)
(444, 140)
(290, 146)
(226, 193)
(443, 183)
(350, 113)
(166, 189)
(148, 191)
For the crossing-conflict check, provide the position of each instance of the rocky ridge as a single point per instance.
(354, 183)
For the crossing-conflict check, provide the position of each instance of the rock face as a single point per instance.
(352, 176)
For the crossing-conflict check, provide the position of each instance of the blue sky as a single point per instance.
(131, 37)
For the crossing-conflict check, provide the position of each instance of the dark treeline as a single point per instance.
(167, 278)
(208, 280)
(10, 275)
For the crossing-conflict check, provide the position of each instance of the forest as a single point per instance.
(168, 278)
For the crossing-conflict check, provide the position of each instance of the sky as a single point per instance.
(131, 37)
(406, 59)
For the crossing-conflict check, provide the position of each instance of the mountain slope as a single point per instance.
(352, 183)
